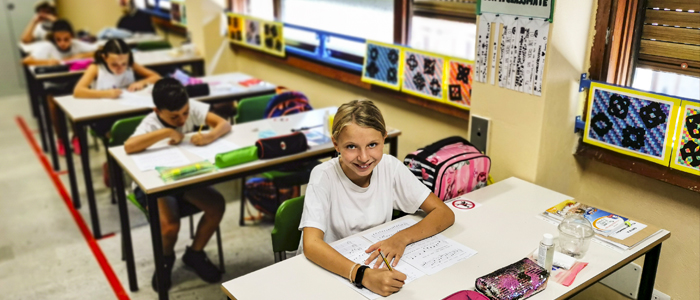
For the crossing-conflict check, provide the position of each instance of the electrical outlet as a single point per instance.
(480, 132)
(656, 295)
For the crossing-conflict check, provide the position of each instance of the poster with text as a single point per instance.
(686, 151)
(382, 65)
(526, 8)
(423, 74)
(458, 82)
(631, 122)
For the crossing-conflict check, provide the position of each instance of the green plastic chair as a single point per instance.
(286, 234)
(251, 109)
(121, 131)
(153, 45)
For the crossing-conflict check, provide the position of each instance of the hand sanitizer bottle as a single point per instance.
(545, 254)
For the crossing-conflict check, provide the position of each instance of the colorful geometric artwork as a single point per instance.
(235, 28)
(273, 38)
(252, 33)
(178, 13)
(382, 65)
(458, 85)
(631, 122)
(423, 75)
(686, 153)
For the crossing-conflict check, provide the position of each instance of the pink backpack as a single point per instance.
(450, 167)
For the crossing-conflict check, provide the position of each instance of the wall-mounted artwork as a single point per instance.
(686, 151)
(382, 65)
(235, 28)
(253, 34)
(273, 41)
(631, 122)
(178, 13)
(259, 34)
(423, 74)
(458, 83)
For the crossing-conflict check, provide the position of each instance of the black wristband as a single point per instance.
(358, 276)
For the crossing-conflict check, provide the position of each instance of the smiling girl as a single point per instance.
(357, 191)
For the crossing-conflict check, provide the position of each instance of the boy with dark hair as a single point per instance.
(173, 117)
(40, 25)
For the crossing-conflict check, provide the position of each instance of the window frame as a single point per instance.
(613, 59)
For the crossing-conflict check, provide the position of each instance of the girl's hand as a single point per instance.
(392, 248)
(136, 86)
(200, 139)
(383, 281)
(114, 93)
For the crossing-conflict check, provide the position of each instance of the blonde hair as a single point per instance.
(361, 112)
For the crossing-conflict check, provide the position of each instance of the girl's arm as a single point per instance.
(82, 88)
(380, 281)
(219, 127)
(149, 77)
(28, 33)
(438, 219)
(31, 61)
(82, 55)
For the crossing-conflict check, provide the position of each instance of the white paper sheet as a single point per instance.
(482, 47)
(495, 34)
(159, 157)
(140, 99)
(354, 249)
(209, 151)
(429, 255)
(542, 28)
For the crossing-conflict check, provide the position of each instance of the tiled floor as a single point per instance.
(43, 254)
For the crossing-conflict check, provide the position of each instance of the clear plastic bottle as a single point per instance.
(545, 254)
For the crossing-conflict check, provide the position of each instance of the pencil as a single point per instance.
(385, 261)
(200, 128)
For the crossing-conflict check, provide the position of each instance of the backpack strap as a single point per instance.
(434, 147)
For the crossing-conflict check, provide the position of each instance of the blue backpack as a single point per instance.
(287, 103)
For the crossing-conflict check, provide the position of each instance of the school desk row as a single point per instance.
(242, 135)
(502, 228)
(83, 112)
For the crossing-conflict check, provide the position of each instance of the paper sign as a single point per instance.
(528, 8)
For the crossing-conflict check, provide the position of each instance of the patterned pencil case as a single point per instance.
(519, 280)
(51, 69)
(236, 157)
(282, 145)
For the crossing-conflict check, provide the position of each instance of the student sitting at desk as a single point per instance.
(40, 25)
(114, 69)
(63, 47)
(357, 191)
(173, 117)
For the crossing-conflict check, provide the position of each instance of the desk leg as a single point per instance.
(241, 222)
(49, 130)
(198, 69)
(85, 160)
(128, 251)
(69, 161)
(651, 262)
(157, 240)
(394, 146)
(42, 126)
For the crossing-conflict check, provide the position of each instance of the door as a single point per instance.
(14, 16)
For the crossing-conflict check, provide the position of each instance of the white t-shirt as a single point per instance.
(340, 208)
(48, 50)
(40, 31)
(107, 80)
(197, 116)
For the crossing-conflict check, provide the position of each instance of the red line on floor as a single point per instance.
(109, 235)
(92, 243)
(63, 172)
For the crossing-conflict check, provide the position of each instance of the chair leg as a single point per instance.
(241, 222)
(192, 228)
(221, 251)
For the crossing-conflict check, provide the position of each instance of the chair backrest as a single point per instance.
(123, 129)
(286, 234)
(252, 109)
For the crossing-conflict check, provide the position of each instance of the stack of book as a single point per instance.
(611, 229)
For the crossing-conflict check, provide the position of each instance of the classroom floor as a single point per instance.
(43, 253)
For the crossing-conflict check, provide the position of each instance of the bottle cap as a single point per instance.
(548, 239)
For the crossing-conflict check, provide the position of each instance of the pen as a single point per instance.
(385, 261)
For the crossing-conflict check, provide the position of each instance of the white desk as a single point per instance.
(82, 112)
(27, 48)
(503, 230)
(244, 134)
(161, 61)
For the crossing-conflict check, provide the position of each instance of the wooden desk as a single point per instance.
(83, 112)
(503, 230)
(244, 134)
(159, 60)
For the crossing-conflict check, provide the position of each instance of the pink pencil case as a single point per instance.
(466, 295)
(79, 64)
(519, 280)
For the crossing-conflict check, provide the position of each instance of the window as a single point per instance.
(158, 4)
(445, 27)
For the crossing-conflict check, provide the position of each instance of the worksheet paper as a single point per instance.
(140, 99)
(430, 255)
(209, 152)
(523, 51)
(482, 47)
(354, 249)
(159, 157)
